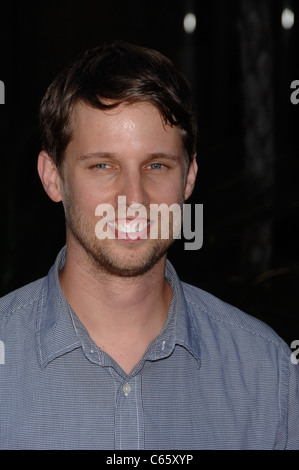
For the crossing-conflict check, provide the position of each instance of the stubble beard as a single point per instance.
(102, 254)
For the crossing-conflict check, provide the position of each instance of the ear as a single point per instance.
(49, 175)
(190, 179)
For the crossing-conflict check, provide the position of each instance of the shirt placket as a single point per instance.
(129, 419)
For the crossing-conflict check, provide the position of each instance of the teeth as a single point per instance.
(128, 228)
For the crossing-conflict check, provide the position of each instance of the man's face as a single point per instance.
(127, 151)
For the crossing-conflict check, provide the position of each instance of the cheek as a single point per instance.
(171, 191)
(76, 198)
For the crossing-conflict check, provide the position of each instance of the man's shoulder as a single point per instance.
(213, 314)
(20, 298)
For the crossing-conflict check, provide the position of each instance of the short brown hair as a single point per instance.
(122, 73)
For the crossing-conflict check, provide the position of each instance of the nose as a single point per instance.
(133, 187)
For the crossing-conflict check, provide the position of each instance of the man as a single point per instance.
(111, 350)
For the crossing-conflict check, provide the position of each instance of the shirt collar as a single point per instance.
(55, 331)
(179, 328)
(59, 329)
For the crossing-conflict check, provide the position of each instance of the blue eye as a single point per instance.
(156, 166)
(102, 165)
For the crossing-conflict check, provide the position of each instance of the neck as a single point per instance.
(120, 314)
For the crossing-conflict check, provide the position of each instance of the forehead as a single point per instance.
(127, 126)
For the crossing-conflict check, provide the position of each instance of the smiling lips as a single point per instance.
(130, 229)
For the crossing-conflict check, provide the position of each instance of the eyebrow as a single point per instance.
(115, 156)
(88, 156)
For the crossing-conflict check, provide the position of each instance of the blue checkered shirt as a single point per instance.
(214, 378)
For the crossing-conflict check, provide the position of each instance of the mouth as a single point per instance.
(130, 229)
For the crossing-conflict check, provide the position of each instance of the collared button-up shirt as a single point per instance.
(214, 378)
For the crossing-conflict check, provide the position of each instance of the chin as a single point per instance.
(129, 267)
(122, 262)
(114, 257)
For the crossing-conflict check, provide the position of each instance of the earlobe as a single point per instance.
(191, 178)
(49, 176)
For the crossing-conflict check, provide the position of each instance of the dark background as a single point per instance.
(240, 62)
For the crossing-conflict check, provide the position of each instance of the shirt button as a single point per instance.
(126, 389)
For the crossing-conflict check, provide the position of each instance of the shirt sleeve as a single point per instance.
(292, 442)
